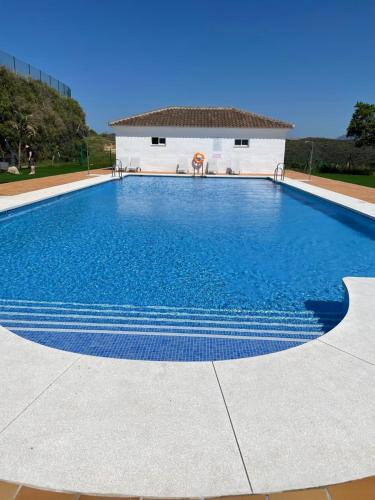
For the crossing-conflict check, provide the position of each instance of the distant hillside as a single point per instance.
(344, 138)
(32, 112)
(328, 152)
(102, 147)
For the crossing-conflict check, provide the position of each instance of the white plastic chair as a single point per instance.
(234, 167)
(134, 165)
(182, 166)
(212, 167)
(124, 162)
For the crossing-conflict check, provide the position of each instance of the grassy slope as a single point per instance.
(363, 180)
(98, 159)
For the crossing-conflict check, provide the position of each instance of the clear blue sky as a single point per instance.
(299, 60)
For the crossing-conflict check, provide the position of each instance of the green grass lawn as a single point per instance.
(363, 180)
(98, 159)
(48, 170)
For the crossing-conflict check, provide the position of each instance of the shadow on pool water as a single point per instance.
(328, 312)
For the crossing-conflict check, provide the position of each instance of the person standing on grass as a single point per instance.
(30, 156)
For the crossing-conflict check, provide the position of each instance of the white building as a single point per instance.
(228, 137)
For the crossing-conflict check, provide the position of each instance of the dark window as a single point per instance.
(158, 141)
(241, 143)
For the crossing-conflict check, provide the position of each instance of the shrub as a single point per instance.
(328, 152)
(57, 122)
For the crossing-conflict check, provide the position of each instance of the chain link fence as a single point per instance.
(25, 69)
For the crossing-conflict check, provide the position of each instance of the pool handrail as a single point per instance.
(117, 167)
(280, 167)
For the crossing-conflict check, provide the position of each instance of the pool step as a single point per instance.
(27, 317)
(156, 309)
(163, 333)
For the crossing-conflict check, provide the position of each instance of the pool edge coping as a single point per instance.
(354, 204)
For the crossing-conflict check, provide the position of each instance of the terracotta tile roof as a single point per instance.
(200, 117)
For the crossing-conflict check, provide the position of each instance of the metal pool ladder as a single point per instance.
(279, 170)
(117, 167)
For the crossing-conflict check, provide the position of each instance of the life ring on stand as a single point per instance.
(198, 160)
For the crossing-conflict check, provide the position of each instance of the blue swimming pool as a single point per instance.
(179, 268)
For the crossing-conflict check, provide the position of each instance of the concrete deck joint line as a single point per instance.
(39, 395)
(17, 491)
(346, 352)
(232, 426)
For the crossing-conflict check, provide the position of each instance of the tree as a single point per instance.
(362, 124)
(24, 130)
(30, 111)
(55, 150)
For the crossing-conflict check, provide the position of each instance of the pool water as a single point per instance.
(180, 268)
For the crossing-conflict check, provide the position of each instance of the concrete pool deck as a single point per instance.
(354, 190)
(34, 184)
(294, 419)
(26, 198)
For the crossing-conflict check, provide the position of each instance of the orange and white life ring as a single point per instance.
(198, 160)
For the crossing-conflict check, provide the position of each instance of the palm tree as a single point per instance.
(24, 128)
(55, 153)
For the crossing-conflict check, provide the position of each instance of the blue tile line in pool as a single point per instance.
(160, 333)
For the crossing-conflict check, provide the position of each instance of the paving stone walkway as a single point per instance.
(28, 185)
(362, 489)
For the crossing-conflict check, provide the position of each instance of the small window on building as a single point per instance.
(241, 143)
(158, 141)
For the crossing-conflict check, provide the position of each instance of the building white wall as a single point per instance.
(266, 147)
